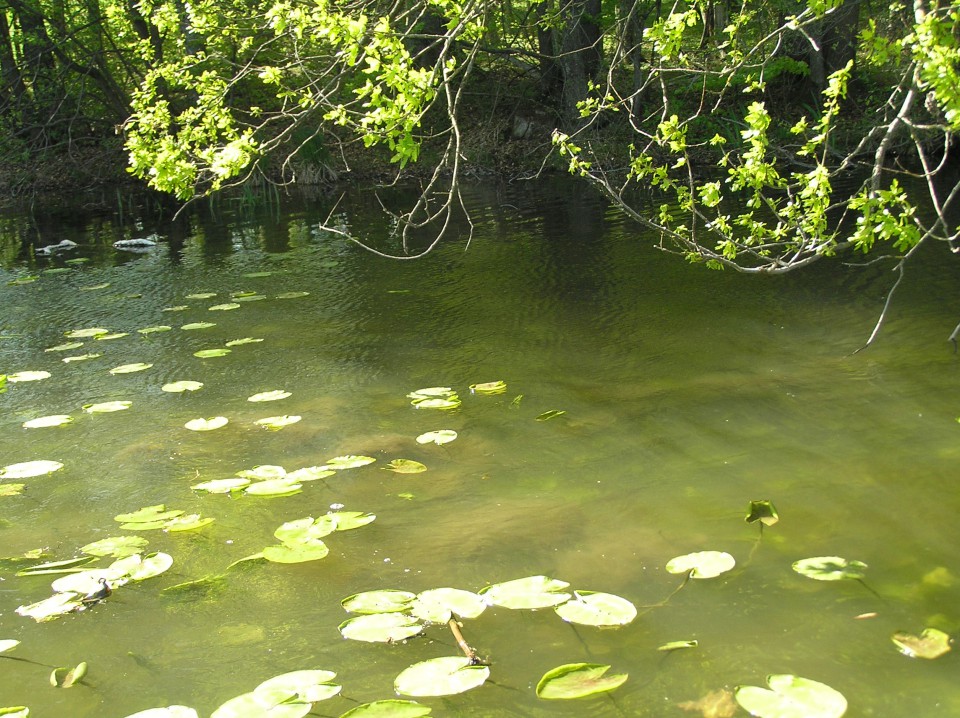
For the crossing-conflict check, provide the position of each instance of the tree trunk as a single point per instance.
(580, 56)
(836, 39)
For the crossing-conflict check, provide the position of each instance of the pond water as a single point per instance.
(687, 394)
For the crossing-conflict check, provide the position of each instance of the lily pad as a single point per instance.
(438, 605)
(349, 462)
(264, 704)
(176, 387)
(81, 357)
(529, 592)
(201, 295)
(221, 486)
(107, 407)
(702, 564)
(763, 511)
(308, 685)
(64, 347)
(52, 607)
(155, 329)
(829, 568)
(443, 676)
(292, 295)
(405, 466)
(69, 565)
(47, 421)
(791, 696)
(380, 601)
(389, 708)
(215, 422)
(176, 308)
(678, 645)
(263, 472)
(296, 553)
(592, 608)
(275, 423)
(22, 376)
(86, 333)
(8, 644)
(244, 340)
(349, 520)
(311, 473)
(441, 436)
(252, 297)
(489, 387)
(437, 403)
(274, 487)
(157, 512)
(189, 522)
(198, 325)
(274, 395)
(577, 680)
(223, 307)
(140, 568)
(930, 644)
(552, 414)
(68, 677)
(116, 546)
(130, 368)
(168, 712)
(11, 489)
(380, 627)
(113, 335)
(305, 529)
(27, 469)
(211, 353)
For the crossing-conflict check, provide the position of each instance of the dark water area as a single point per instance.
(687, 393)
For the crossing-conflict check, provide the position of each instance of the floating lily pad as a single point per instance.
(28, 469)
(80, 357)
(177, 308)
(130, 368)
(349, 461)
(274, 487)
(107, 407)
(252, 297)
(211, 353)
(263, 472)
(69, 565)
(94, 287)
(114, 335)
(64, 347)
(306, 529)
(47, 421)
(791, 697)
(22, 376)
(181, 386)
(223, 307)
(210, 424)
(221, 486)
(380, 601)
(51, 607)
(763, 511)
(389, 708)
(489, 387)
(529, 592)
(930, 644)
(441, 436)
(86, 333)
(140, 568)
(405, 466)
(349, 520)
(677, 645)
(116, 546)
(274, 395)
(275, 704)
(380, 627)
(201, 295)
(157, 512)
(8, 644)
(434, 397)
(577, 680)
(552, 414)
(292, 295)
(437, 605)
(829, 568)
(68, 677)
(311, 473)
(198, 325)
(312, 550)
(155, 329)
(189, 522)
(274, 423)
(702, 564)
(437, 403)
(244, 340)
(308, 685)
(443, 676)
(26, 279)
(592, 608)
(168, 712)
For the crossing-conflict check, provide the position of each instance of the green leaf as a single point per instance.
(8, 644)
(53, 607)
(702, 564)
(930, 644)
(198, 325)
(223, 307)
(309, 528)
(130, 368)
(529, 592)
(380, 627)
(80, 357)
(221, 486)
(157, 512)
(390, 708)
(155, 329)
(349, 462)
(379, 601)
(107, 407)
(22, 376)
(189, 522)
(275, 423)
(67, 678)
(261, 705)
(244, 340)
(678, 645)
(308, 685)
(443, 676)
(274, 487)
(311, 473)
(437, 605)
(47, 421)
(65, 347)
(829, 568)
(69, 565)
(349, 520)
(577, 680)
(441, 436)
(763, 511)
(176, 387)
(405, 466)
(552, 414)
(168, 712)
(489, 388)
(211, 353)
(274, 395)
(201, 295)
(116, 546)
(114, 335)
(263, 472)
(592, 608)
(15, 712)
(28, 469)
(791, 697)
(215, 422)
(86, 333)
(11, 489)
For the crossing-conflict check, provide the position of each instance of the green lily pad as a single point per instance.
(791, 697)
(763, 511)
(189, 522)
(81, 357)
(592, 608)
(68, 677)
(702, 564)
(930, 644)
(438, 605)
(8, 644)
(249, 297)
(577, 680)
(441, 436)
(223, 307)
(274, 395)
(275, 423)
(155, 329)
(445, 676)
(548, 415)
(312, 550)
(274, 487)
(140, 568)
(26, 279)
(22, 376)
(215, 422)
(47, 421)
(678, 645)
(437, 403)
(829, 568)
(211, 353)
(308, 685)
(349, 462)
(489, 387)
(244, 340)
(176, 387)
(52, 607)
(349, 520)
(221, 486)
(197, 325)
(168, 712)
(86, 333)
(130, 368)
(529, 592)
(157, 512)
(107, 407)
(116, 546)
(264, 704)
(292, 295)
(311, 473)
(28, 469)
(69, 565)
(405, 466)
(380, 601)
(389, 708)
(94, 287)
(176, 308)
(201, 295)
(380, 627)
(263, 472)
(64, 347)
(114, 335)
(305, 529)
(434, 397)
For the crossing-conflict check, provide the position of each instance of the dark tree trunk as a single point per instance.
(836, 37)
(580, 55)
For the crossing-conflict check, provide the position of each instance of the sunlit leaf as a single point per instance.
(26, 279)
(8, 644)
(211, 353)
(431, 391)
(46, 421)
(198, 325)
(107, 407)
(437, 403)
(114, 335)
(441, 436)
(67, 678)
(94, 287)
(292, 295)
(252, 297)
(489, 387)
(22, 376)
(224, 307)
(529, 592)
(263, 472)
(763, 511)
(702, 564)
(221, 486)
(678, 645)
(244, 340)
(11, 489)
(577, 680)
(176, 387)
(86, 333)
(214, 422)
(308, 685)
(380, 627)
(51, 607)
(81, 357)
(437, 604)
(140, 568)
(389, 708)
(552, 414)
(405, 466)
(349, 461)
(274, 487)
(274, 423)
(69, 565)
(829, 568)
(201, 295)
(168, 712)
(592, 608)
(177, 308)
(274, 395)
(262, 705)
(930, 644)
(27, 469)
(443, 676)
(296, 553)
(130, 368)
(379, 601)
(311, 473)
(349, 520)
(64, 347)
(309, 528)
(258, 275)
(155, 329)
(157, 512)
(189, 522)
(116, 546)
(791, 697)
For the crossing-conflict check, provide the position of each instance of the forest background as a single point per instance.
(760, 136)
